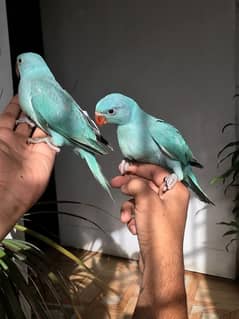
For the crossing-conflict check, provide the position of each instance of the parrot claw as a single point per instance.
(25, 119)
(47, 140)
(169, 182)
(123, 167)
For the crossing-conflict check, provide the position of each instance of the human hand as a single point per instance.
(25, 168)
(151, 209)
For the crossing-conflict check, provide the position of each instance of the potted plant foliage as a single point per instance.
(230, 154)
(28, 279)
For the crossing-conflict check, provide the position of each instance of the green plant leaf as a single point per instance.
(38, 269)
(68, 214)
(225, 157)
(64, 252)
(30, 294)
(230, 232)
(234, 177)
(229, 145)
(3, 313)
(13, 245)
(227, 125)
(38, 272)
(42, 282)
(232, 224)
(229, 244)
(2, 263)
(216, 179)
(235, 210)
(11, 301)
(2, 252)
(52, 244)
(64, 287)
(230, 176)
(77, 203)
(40, 278)
(235, 156)
(227, 173)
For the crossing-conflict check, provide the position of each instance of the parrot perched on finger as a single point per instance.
(51, 108)
(144, 138)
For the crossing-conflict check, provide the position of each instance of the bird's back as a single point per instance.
(148, 139)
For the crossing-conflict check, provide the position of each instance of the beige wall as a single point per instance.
(177, 59)
(5, 64)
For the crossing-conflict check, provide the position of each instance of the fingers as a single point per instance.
(127, 215)
(24, 128)
(10, 114)
(151, 172)
(129, 185)
(39, 133)
(13, 106)
(118, 181)
(136, 186)
(133, 185)
(132, 226)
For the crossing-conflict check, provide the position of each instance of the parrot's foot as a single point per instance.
(123, 166)
(25, 119)
(169, 182)
(47, 140)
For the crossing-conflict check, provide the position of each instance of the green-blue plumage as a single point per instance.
(144, 138)
(54, 110)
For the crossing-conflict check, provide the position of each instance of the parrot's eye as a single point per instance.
(20, 61)
(111, 112)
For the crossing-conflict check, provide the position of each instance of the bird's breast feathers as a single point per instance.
(137, 144)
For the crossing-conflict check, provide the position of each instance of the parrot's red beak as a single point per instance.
(100, 119)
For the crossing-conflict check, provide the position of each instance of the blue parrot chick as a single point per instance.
(147, 139)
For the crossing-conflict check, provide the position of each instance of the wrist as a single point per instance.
(11, 209)
(159, 239)
(163, 287)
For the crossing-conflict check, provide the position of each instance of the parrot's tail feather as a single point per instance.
(191, 181)
(103, 141)
(195, 163)
(92, 146)
(94, 167)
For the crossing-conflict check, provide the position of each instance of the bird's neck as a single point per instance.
(43, 72)
(137, 115)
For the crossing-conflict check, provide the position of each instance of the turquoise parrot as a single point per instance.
(147, 139)
(48, 106)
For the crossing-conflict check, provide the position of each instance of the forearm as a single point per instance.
(10, 212)
(162, 293)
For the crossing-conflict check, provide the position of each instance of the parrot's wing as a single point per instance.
(171, 142)
(56, 110)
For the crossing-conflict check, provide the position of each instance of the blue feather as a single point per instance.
(55, 111)
(144, 138)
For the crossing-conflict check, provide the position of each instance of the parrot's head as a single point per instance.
(114, 108)
(29, 62)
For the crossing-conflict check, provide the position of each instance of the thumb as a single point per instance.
(136, 186)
